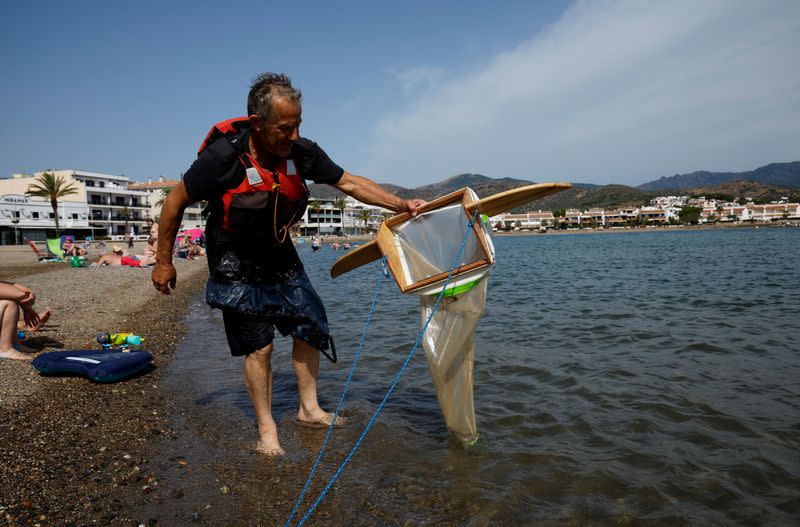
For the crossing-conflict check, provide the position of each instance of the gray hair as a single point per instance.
(265, 89)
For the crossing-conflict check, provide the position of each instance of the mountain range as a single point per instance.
(766, 183)
(779, 174)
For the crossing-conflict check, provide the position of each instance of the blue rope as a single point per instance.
(396, 379)
(344, 391)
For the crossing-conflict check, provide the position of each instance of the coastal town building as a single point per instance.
(654, 215)
(773, 211)
(158, 190)
(620, 217)
(106, 205)
(667, 202)
(526, 221)
(112, 207)
(25, 217)
(325, 217)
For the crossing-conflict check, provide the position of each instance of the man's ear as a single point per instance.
(255, 122)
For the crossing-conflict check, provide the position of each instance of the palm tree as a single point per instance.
(52, 187)
(315, 206)
(364, 214)
(125, 214)
(164, 193)
(340, 204)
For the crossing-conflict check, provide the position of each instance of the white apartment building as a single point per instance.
(531, 220)
(104, 205)
(330, 220)
(667, 202)
(620, 217)
(113, 208)
(750, 212)
(192, 216)
(25, 217)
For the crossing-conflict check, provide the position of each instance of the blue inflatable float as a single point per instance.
(97, 365)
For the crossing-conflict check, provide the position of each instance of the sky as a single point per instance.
(606, 91)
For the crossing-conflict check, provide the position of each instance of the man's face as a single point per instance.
(277, 136)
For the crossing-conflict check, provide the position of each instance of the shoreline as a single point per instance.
(654, 228)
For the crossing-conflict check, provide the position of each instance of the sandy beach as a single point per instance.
(75, 452)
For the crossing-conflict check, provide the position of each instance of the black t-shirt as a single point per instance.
(210, 175)
(248, 256)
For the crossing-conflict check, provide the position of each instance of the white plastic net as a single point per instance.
(449, 349)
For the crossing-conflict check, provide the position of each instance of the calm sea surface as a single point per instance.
(624, 378)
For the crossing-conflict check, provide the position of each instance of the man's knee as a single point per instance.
(261, 355)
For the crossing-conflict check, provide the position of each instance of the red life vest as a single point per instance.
(278, 198)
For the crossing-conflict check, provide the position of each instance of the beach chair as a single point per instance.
(43, 257)
(54, 249)
(36, 251)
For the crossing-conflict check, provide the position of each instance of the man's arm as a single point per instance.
(367, 191)
(164, 275)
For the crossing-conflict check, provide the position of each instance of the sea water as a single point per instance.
(620, 378)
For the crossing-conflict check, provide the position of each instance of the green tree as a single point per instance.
(340, 204)
(690, 215)
(52, 187)
(125, 213)
(315, 206)
(164, 194)
(364, 214)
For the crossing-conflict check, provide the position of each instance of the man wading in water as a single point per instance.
(251, 170)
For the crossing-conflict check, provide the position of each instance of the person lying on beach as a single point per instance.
(117, 258)
(13, 299)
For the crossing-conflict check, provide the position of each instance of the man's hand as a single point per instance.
(413, 205)
(164, 277)
(30, 316)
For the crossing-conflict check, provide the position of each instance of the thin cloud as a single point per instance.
(414, 80)
(621, 92)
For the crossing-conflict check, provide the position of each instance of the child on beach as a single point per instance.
(13, 298)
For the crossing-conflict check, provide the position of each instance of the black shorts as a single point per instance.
(252, 312)
(246, 334)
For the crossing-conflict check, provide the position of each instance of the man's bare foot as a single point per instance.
(44, 316)
(269, 448)
(321, 420)
(15, 355)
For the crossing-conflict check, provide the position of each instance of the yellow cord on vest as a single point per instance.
(285, 228)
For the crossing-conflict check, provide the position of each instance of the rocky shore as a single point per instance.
(74, 452)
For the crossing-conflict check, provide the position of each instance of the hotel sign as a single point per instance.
(16, 198)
